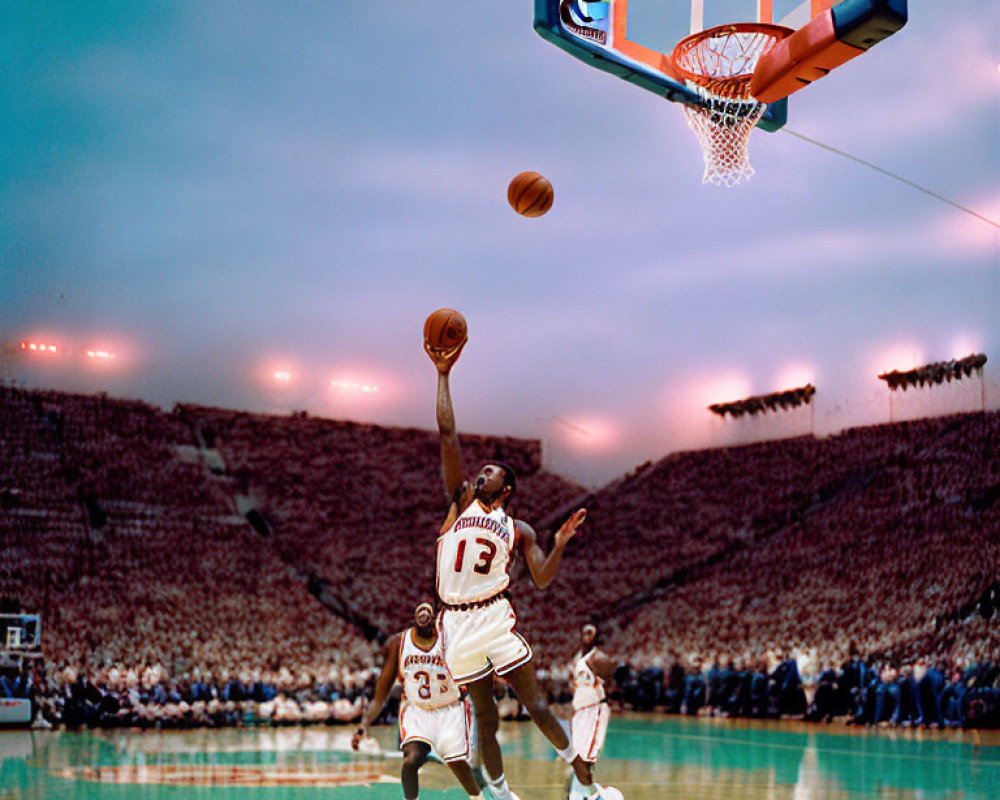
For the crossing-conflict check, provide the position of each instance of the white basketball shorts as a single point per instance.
(590, 725)
(479, 641)
(447, 729)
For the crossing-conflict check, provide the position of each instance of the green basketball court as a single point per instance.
(645, 757)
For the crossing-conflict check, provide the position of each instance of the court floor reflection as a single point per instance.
(646, 757)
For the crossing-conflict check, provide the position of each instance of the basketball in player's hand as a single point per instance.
(530, 194)
(445, 329)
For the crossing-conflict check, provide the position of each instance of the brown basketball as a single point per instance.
(530, 194)
(445, 329)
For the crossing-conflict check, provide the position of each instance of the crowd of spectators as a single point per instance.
(921, 692)
(150, 696)
(271, 563)
(895, 543)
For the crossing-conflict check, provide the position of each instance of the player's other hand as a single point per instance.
(444, 360)
(359, 734)
(569, 528)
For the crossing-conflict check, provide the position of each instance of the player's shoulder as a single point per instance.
(393, 643)
(524, 532)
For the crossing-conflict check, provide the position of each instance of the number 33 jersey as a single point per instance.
(427, 684)
(473, 555)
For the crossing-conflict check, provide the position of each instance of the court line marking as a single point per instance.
(776, 745)
(631, 786)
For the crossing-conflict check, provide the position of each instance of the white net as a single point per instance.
(723, 127)
(719, 64)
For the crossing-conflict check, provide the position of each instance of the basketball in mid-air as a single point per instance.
(530, 194)
(445, 329)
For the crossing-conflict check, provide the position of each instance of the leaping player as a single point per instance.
(591, 669)
(477, 621)
(433, 712)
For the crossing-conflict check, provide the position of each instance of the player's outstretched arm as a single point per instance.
(602, 665)
(451, 452)
(385, 681)
(543, 568)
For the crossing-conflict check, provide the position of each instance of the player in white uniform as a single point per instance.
(591, 669)
(477, 621)
(432, 713)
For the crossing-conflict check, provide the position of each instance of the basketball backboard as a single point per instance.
(634, 39)
(660, 24)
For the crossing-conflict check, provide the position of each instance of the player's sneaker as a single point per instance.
(578, 792)
(569, 784)
(493, 794)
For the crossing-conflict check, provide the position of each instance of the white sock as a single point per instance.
(566, 754)
(500, 787)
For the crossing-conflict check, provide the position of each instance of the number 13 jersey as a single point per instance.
(473, 555)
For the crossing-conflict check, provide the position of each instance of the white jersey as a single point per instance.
(427, 684)
(473, 555)
(588, 688)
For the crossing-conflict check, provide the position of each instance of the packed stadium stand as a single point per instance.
(265, 558)
(870, 537)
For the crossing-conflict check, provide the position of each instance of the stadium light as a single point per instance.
(353, 386)
(796, 373)
(38, 347)
(760, 404)
(900, 354)
(935, 373)
(706, 389)
(279, 372)
(102, 355)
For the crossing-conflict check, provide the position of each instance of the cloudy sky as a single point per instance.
(216, 191)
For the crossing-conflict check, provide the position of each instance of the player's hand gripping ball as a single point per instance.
(445, 330)
(530, 194)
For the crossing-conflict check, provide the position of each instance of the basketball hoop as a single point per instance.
(718, 63)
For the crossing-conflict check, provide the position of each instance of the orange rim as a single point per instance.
(691, 55)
